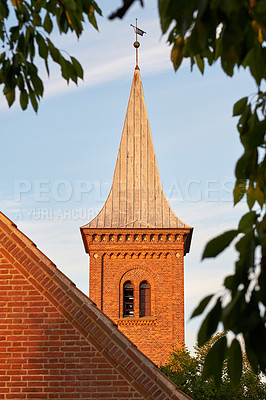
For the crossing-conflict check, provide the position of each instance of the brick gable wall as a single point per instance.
(55, 343)
(45, 356)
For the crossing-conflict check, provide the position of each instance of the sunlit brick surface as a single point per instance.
(55, 343)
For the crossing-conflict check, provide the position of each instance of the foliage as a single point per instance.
(123, 9)
(186, 371)
(25, 27)
(233, 32)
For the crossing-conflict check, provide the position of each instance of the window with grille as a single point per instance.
(128, 299)
(144, 299)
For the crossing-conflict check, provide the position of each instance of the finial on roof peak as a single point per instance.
(136, 44)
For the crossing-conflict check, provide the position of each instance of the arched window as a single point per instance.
(128, 299)
(144, 299)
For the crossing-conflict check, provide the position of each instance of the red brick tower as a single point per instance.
(137, 244)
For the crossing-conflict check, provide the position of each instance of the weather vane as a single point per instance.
(136, 44)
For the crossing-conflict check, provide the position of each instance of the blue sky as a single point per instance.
(57, 166)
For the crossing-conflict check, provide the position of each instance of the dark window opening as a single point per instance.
(128, 299)
(144, 299)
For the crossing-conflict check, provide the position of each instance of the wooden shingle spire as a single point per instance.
(136, 198)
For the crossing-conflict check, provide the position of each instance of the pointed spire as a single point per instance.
(136, 198)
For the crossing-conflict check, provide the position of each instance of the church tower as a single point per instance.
(137, 244)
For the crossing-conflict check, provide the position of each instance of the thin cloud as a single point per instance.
(101, 60)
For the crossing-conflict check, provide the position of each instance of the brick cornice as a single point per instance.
(133, 239)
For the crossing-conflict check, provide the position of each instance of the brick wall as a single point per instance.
(153, 255)
(42, 355)
(55, 343)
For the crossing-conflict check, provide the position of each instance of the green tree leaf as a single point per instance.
(201, 307)
(239, 190)
(47, 23)
(213, 365)
(177, 52)
(234, 310)
(239, 106)
(4, 10)
(200, 63)
(10, 95)
(210, 323)
(33, 100)
(62, 22)
(218, 244)
(255, 194)
(247, 165)
(43, 48)
(37, 85)
(55, 54)
(163, 11)
(24, 99)
(247, 221)
(77, 67)
(92, 19)
(235, 362)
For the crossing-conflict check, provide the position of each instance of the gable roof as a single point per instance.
(136, 198)
(117, 349)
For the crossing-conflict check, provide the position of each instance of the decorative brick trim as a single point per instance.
(134, 237)
(136, 321)
(134, 255)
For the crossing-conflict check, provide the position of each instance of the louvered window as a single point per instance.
(144, 299)
(128, 299)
